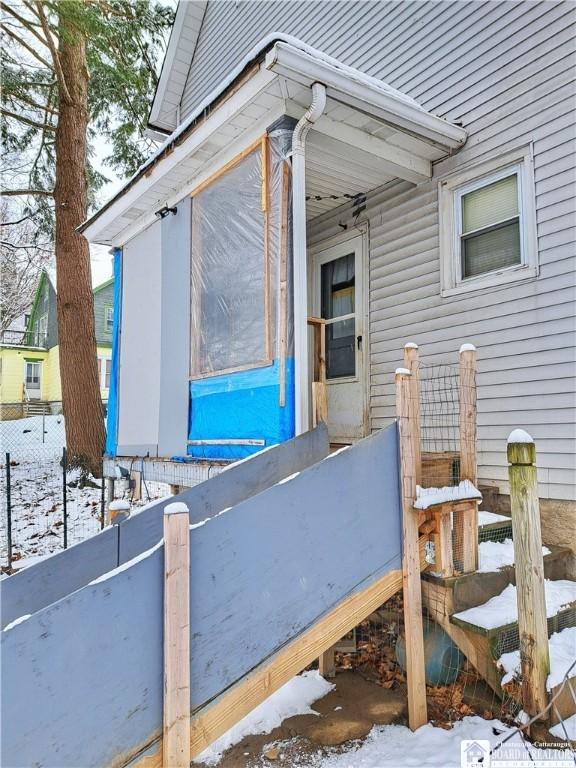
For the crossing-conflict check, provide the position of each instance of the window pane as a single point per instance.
(490, 204)
(340, 349)
(337, 280)
(488, 251)
(107, 375)
(228, 271)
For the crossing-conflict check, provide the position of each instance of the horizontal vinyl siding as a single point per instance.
(506, 72)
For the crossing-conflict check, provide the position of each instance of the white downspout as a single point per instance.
(300, 278)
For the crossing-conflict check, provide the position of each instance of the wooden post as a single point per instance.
(136, 478)
(319, 391)
(412, 363)
(444, 563)
(529, 566)
(466, 521)
(327, 663)
(176, 742)
(409, 449)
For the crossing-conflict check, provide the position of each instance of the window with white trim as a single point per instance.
(487, 229)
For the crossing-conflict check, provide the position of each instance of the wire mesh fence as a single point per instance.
(48, 506)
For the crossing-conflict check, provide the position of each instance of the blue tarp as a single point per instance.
(241, 406)
(112, 421)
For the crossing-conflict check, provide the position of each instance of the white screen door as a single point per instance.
(338, 298)
(33, 373)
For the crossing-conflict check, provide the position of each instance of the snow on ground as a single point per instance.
(386, 746)
(35, 445)
(493, 555)
(562, 656)
(503, 609)
(294, 698)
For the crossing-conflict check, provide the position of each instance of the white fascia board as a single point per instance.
(174, 44)
(364, 93)
(202, 132)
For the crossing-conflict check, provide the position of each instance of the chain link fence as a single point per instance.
(46, 507)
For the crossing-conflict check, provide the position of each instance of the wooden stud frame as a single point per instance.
(260, 144)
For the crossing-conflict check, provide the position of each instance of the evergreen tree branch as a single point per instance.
(46, 108)
(25, 45)
(30, 26)
(55, 55)
(27, 120)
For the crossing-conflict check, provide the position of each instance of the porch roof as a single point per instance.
(368, 135)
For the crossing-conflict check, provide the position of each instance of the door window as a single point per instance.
(338, 300)
(33, 375)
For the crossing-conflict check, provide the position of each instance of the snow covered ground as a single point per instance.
(386, 746)
(493, 555)
(35, 445)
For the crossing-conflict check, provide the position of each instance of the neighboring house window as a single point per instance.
(487, 226)
(230, 292)
(104, 368)
(108, 319)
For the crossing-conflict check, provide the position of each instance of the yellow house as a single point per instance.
(29, 359)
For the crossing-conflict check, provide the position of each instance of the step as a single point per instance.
(471, 589)
(497, 618)
(493, 527)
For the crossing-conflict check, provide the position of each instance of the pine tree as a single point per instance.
(72, 70)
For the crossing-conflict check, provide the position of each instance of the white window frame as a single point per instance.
(452, 188)
(102, 361)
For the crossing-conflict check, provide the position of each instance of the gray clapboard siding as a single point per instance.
(55, 577)
(82, 678)
(505, 70)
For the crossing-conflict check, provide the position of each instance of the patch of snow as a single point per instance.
(176, 508)
(402, 372)
(429, 497)
(287, 479)
(503, 609)
(17, 621)
(335, 453)
(395, 746)
(411, 345)
(519, 436)
(569, 726)
(489, 518)
(493, 555)
(562, 647)
(522, 718)
(118, 504)
(294, 698)
(467, 348)
(125, 566)
(200, 524)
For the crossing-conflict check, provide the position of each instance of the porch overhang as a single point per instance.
(369, 135)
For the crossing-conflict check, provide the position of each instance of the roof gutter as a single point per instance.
(366, 94)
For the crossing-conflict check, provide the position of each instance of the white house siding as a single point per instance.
(506, 72)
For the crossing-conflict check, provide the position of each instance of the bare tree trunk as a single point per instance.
(82, 403)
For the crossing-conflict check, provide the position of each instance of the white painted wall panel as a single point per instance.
(139, 380)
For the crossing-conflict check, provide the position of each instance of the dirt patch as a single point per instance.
(346, 714)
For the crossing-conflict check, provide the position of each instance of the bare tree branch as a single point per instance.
(31, 103)
(17, 221)
(25, 23)
(25, 192)
(65, 93)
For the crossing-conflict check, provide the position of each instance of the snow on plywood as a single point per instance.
(502, 609)
(568, 731)
(294, 698)
(493, 555)
(430, 497)
(562, 646)
(490, 518)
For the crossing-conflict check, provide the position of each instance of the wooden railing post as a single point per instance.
(319, 391)
(412, 590)
(529, 565)
(176, 741)
(466, 521)
(412, 363)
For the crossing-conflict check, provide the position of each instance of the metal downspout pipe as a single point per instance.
(300, 271)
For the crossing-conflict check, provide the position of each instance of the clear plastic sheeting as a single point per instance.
(242, 371)
(229, 328)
